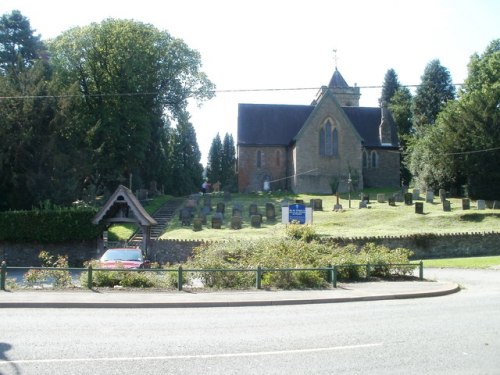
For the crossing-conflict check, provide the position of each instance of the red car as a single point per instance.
(123, 258)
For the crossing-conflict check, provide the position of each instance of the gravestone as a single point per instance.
(270, 212)
(216, 222)
(392, 201)
(465, 204)
(185, 216)
(221, 207)
(299, 201)
(236, 222)
(197, 224)
(227, 196)
(284, 203)
(408, 199)
(399, 197)
(365, 197)
(316, 204)
(203, 217)
(446, 206)
(419, 207)
(429, 196)
(363, 204)
(481, 204)
(253, 209)
(237, 211)
(442, 195)
(216, 187)
(381, 198)
(191, 203)
(496, 205)
(207, 202)
(255, 221)
(416, 194)
(338, 206)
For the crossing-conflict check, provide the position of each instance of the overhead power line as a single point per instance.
(222, 91)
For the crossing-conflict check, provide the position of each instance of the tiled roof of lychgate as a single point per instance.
(275, 124)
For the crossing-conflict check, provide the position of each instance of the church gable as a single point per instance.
(306, 148)
(327, 147)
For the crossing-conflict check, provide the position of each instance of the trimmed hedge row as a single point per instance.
(50, 226)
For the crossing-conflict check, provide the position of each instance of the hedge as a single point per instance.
(49, 226)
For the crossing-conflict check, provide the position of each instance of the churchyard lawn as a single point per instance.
(378, 219)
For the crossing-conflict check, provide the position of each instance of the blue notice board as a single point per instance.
(297, 212)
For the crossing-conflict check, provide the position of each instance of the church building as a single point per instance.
(318, 148)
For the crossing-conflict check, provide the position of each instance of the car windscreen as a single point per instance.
(125, 255)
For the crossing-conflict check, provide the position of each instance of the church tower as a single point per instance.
(346, 95)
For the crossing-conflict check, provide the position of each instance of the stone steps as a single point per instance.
(163, 216)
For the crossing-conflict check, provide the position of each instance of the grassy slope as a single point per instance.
(379, 220)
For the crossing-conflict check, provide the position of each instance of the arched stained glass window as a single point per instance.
(365, 159)
(328, 139)
(322, 141)
(374, 157)
(335, 142)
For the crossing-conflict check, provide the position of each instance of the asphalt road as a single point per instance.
(455, 334)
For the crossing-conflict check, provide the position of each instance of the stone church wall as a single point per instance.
(386, 174)
(323, 170)
(251, 178)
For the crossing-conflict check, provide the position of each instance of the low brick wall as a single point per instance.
(26, 254)
(426, 246)
(178, 251)
(171, 251)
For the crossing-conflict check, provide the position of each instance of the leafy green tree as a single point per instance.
(29, 156)
(435, 90)
(215, 157)
(401, 109)
(131, 79)
(390, 86)
(19, 46)
(462, 147)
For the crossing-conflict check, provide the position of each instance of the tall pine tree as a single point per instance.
(214, 165)
(390, 86)
(228, 163)
(435, 90)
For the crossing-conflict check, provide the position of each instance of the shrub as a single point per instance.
(57, 278)
(291, 253)
(301, 232)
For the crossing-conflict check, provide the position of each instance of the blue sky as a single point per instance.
(273, 44)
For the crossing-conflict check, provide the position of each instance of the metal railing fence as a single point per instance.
(332, 271)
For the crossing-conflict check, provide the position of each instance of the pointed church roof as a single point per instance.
(337, 81)
(278, 124)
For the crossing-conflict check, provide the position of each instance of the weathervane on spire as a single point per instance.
(335, 57)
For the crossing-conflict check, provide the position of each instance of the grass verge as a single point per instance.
(472, 262)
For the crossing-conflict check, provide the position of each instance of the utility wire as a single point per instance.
(472, 152)
(221, 91)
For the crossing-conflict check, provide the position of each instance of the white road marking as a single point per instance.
(192, 356)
